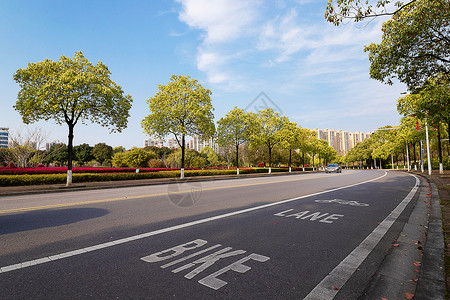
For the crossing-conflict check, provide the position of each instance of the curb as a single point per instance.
(415, 266)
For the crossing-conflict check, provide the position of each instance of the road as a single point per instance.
(313, 236)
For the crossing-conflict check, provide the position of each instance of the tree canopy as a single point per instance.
(182, 107)
(338, 11)
(69, 91)
(415, 44)
(267, 131)
(235, 129)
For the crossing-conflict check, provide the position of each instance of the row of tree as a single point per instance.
(415, 51)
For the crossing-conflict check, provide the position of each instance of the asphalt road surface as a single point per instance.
(313, 236)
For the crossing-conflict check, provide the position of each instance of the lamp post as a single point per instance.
(428, 148)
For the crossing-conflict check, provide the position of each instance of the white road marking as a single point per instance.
(168, 229)
(338, 277)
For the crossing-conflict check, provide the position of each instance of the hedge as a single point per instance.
(39, 179)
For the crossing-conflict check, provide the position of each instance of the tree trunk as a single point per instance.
(183, 147)
(303, 161)
(270, 159)
(290, 159)
(69, 155)
(237, 159)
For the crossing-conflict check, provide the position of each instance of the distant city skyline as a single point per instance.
(341, 141)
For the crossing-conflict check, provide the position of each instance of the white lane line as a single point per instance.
(164, 230)
(341, 274)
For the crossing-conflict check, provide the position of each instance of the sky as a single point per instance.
(252, 54)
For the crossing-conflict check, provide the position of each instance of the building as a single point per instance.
(341, 141)
(49, 145)
(4, 135)
(172, 143)
(198, 144)
(156, 143)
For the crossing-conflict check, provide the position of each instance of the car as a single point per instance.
(333, 168)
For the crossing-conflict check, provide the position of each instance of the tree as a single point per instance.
(57, 153)
(182, 107)
(83, 153)
(138, 157)
(268, 125)
(430, 103)
(193, 159)
(24, 143)
(339, 10)
(102, 152)
(211, 156)
(71, 91)
(120, 160)
(292, 137)
(235, 129)
(119, 149)
(415, 45)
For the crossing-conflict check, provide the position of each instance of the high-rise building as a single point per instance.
(4, 135)
(172, 143)
(156, 143)
(197, 144)
(341, 141)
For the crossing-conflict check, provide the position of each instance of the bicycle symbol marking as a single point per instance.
(343, 202)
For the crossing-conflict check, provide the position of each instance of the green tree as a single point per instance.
(292, 137)
(235, 129)
(430, 103)
(57, 153)
(119, 149)
(83, 153)
(268, 125)
(138, 157)
(4, 156)
(102, 152)
(193, 159)
(415, 45)
(211, 156)
(71, 91)
(120, 160)
(182, 107)
(339, 11)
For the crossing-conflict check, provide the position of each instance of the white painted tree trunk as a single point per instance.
(69, 178)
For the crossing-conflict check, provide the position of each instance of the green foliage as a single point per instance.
(83, 153)
(211, 157)
(235, 129)
(182, 107)
(338, 11)
(138, 157)
(102, 152)
(120, 160)
(71, 91)
(57, 153)
(267, 130)
(415, 44)
(118, 149)
(193, 159)
(161, 152)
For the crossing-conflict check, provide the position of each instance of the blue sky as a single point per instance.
(315, 73)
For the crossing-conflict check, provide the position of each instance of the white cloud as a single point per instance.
(221, 20)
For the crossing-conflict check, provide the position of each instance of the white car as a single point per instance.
(333, 168)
